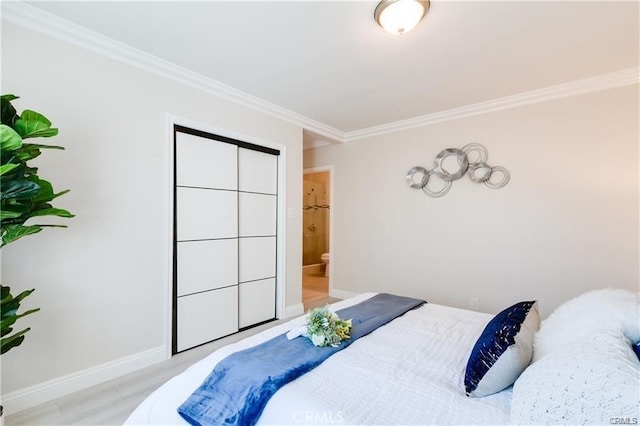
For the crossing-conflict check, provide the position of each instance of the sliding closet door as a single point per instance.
(257, 183)
(206, 240)
(225, 237)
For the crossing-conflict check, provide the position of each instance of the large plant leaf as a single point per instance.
(29, 115)
(12, 341)
(27, 152)
(5, 331)
(19, 189)
(46, 193)
(15, 232)
(11, 211)
(5, 292)
(9, 97)
(8, 321)
(10, 306)
(9, 114)
(10, 140)
(52, 212)
(57, 194)
(12, 173)
(46, 190)
(6, 168)
(24, 294)
(33, 124)
(43, 146)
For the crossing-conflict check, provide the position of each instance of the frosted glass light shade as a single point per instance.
(400, 16)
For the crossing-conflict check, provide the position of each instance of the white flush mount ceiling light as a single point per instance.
(400, 16)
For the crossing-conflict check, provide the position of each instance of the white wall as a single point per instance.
(101, 283)
(566, 223)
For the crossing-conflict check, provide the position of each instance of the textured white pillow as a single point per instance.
(594, 381)
(580, 318)
(584, 369)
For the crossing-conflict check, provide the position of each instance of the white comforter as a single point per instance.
(409, 371)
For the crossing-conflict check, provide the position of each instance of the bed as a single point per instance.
(409, 371)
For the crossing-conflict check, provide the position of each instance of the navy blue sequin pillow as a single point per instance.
(503, 350)
(636, 349)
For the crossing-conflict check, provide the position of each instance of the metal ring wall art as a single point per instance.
(471, 159)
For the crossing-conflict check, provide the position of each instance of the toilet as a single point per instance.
(325, 259)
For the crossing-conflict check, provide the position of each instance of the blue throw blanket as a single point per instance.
(239, 387)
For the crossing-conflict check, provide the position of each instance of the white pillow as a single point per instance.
(584, 369)
(580, 318)
(594, 381)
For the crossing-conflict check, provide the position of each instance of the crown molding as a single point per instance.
(578, 87)
(38, 20)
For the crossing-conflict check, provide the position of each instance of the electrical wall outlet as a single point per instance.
(473, 303)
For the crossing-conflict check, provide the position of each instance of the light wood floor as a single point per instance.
(111, 403)
(315, 289)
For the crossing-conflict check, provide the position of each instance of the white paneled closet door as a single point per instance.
(225, 237)
(257, 206)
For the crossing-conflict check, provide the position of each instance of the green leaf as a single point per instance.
(33, 129)
(61, 193)
(4, 291)
(29, 312)
(46, 190)
(43, 146)
(10, 342)
(15, 232)
(10, 306)
(24, 294)
(6, 168)
(27, 152)
(29, 115)
(8, 322)
(52, 212)
(18, 172)
(9, 139)
(9, 114)
(19, 189)
(10, 211)
(11, 319)
(33, 124)
(5, 331)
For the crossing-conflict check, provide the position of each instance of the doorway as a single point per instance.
(316, 237)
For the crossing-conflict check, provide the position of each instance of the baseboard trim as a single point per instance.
(341, 294)
(31, 396)
(294, 310)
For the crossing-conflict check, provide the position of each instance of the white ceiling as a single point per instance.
(329, 61)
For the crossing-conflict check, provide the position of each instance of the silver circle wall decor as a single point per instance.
(501, 183)
(439, 193)
(417, 171)
(463, 164)
(483, 154)
(483, 176)
(476, 167)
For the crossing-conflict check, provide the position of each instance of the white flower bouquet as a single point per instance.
(324, 328)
